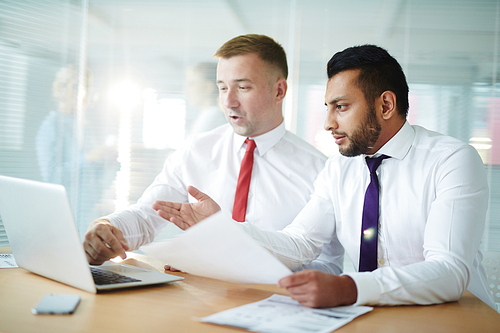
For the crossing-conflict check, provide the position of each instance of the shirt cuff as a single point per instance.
(114, 219)
(368, 288)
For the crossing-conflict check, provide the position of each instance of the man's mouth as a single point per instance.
(339, 139)
(234, 116)
(235, 119)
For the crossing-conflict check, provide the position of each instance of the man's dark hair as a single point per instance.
(379, 72)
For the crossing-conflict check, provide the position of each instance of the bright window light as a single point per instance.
(126, 94)
(164, 121)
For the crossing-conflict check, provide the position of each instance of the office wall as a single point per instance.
(122, 70)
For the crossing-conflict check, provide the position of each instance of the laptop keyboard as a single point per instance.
(104, 277)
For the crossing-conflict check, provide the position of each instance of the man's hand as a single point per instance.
(316, 289)
(104, 241)
(170, 268)
(185, 215)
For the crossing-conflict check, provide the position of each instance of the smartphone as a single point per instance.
(57, 304)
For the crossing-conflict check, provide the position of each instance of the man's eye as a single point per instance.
(340, 107)
(222, 88)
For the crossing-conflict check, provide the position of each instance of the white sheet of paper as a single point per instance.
(218, 249)
(7, 261)
(278, 314)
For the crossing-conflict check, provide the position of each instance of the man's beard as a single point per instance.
(364, 137)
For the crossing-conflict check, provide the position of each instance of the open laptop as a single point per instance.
(44, 238)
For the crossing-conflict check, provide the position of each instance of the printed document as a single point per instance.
(281, 314)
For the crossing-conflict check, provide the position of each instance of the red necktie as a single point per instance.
(241, 197)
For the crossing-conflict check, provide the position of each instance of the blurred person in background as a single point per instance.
(202, 97)
(89, 165)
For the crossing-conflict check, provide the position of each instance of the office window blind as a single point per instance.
(35, 39)
(3, 235)
(13, 85)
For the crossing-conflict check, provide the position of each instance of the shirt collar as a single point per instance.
(399, 145)
(264, 142)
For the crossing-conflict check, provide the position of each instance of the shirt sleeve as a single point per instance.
(453, 232)
(140, 223)
(331, 259)
(301, 242)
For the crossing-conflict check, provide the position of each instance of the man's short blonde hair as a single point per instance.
(265, 47)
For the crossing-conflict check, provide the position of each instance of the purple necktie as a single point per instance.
(369, 227)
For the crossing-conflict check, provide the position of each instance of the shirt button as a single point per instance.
(381, 262)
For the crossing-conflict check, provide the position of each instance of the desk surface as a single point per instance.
(173, 307)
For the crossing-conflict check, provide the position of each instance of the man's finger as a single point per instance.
(167, 206)
(114, 245)
(119, 236)
(94, 261)
(180, 223)
(197, 194)
(95, 246)
(294, 280)
(91, 253)
(172, 269)
(164, 214)
(167, 209)
(98, 252)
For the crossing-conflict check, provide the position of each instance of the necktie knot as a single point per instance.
(374, 163)
(250, 145)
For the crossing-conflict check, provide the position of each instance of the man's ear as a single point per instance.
(282, 86)
(389, 108)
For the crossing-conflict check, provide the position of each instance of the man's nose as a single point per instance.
(330, 121)
(230, 99)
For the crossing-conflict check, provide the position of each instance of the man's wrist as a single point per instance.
(367, 287)
(349, 293)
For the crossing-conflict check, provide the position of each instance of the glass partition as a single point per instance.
(97, 93)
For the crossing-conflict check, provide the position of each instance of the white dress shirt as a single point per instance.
(283, 174)
(433, 202)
